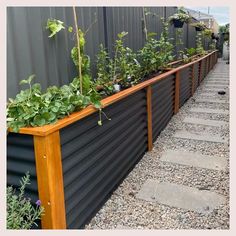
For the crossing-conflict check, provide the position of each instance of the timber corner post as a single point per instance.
(149, 117)
(50, 180)
(177, 92)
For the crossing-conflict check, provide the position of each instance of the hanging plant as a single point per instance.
(199, 26)
(179, 18)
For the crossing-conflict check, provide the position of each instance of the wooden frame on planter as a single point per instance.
(51, 143)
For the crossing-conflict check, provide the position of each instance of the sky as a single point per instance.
(221, 14)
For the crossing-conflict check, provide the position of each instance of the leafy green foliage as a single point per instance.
(54, 26)
(149, 59)
(31, 107)
(21, 213)
(156, 54)
(122, 69)
(207, 33)
(103, 79)
(179, 43)
(199, 25)
(85, 60)
(191, 52)
(124, 66)
(199, 49)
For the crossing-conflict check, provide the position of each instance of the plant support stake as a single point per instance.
(79, 58)
(145, 24)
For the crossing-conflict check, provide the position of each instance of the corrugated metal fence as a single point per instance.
(30, 51)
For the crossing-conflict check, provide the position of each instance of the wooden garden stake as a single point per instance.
(78, 43)
(145, 24)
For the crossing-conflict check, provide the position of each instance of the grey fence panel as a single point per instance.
(191, 36)
(127, 19)
(154, 23)
(30, 51)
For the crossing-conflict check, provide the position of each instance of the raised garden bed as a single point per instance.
(75, 164)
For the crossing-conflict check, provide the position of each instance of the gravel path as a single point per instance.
(125, 211)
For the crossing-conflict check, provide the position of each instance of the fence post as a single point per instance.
(149, 117)
(193, 82)
(177, 78)
(50, 180)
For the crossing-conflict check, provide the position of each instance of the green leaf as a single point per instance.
(70, 29)
(97, 104)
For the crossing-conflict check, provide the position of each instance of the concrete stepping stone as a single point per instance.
(212, 90)
(198, 121)
(181, 196)
(194, 159)
(199, 136)
(205, 100)
(213, 82)
(208, 110)
(212, 95)
(215, 86)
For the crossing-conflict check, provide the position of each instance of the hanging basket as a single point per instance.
(177, 23)
(198, 28)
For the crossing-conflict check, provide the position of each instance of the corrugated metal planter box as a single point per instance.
(75, 164)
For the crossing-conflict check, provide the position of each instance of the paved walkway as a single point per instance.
(184, 182)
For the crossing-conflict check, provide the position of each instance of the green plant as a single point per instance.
(191, 52)
(165, 47)
(199, 49)
(124, 66)
(179, 43)
(199, 25)
(212, 46)
(207, 33)
(54, 26)
(149, 58)
(31, 107)
(21, 213)
(103, 80)
(85, 60)
(181, 15)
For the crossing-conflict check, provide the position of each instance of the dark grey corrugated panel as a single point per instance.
(162, 104)
(96, 159)
(185, 85)
(127, 19)
(191, 35)
(196, 75)
(20, 159)
(202, 70)
(154, 23)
